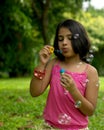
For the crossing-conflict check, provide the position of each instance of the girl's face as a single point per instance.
(64, 42)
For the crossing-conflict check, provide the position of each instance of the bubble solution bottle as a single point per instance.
(62, 71)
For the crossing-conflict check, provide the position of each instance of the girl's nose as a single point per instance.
(65, 41)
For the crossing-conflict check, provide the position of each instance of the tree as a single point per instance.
(16, 33)
(96, 31)
(24, 24)
(47, 13)
(93, 20)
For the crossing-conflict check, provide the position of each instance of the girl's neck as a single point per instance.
(73, 61)
(73, 65)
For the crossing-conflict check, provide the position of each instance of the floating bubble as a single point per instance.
(79, 64)
(88, 60)
(85, 82)
(91, 56)
(58, 51)
(76, 36)
(91, 51)
(66, 91)
(98, 84)
(64, 119)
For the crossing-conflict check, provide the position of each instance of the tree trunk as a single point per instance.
(45, 22)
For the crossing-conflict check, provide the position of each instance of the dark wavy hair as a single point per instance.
(80, 41)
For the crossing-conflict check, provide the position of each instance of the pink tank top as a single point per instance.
(60, 111)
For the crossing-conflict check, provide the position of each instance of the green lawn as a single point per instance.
(19, 111)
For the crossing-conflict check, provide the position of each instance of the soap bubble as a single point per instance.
(66, 91)
(98, 84)
(85, 82)
(79, 64)
(91, 51)
(76, 36)
(64, 118)
(90, 58)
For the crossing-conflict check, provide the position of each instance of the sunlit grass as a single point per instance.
(19, 111)
(101, 83)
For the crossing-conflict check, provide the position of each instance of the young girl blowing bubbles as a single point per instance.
(73, 81)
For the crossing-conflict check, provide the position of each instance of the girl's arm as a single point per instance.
(38, 86)
(91, 95)
(89, 101)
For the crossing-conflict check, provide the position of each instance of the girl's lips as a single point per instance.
(64, 49)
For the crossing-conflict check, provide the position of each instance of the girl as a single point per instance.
(73, 81)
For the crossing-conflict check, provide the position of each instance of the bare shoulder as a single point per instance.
(92, 71)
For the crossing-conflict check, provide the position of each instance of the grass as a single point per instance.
(19, 111)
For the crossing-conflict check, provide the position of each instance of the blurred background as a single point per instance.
(27, 25)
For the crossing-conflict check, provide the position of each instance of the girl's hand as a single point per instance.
(67, 82)
(45, 54)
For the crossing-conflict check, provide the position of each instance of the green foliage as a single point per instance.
(17, 18)
(17, 37)
(46, 14)
(95, 12)
(27, 25)
(98, 60)
(18, 110)
(95, 28)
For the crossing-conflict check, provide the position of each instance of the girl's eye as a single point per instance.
(70, 37)
(60, 38)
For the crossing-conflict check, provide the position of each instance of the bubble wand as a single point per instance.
(62, 71)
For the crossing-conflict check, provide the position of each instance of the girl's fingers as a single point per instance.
(45, 53)
(50, 49)
(66, 76)
(66, 81)
(45, 50)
